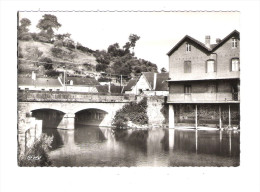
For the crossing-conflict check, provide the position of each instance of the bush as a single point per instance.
(25, 37)
(58, 43)
(40, 150)
(47, 60)
(57, 52)
(101, 67)
(43, 39)
(52, 73)
(135, 112)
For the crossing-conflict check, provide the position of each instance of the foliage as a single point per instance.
(47, 24)
(47, 63)
(135, 112)
(57, 52)
(104, 79)
(84, 49)
(52, 73)
(23, 29)
(39, 149)
(101, 67)
(58, 43)
(163, 70)
(33, 53)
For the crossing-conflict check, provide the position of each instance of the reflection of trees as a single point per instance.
(57, 139)
(136, 139)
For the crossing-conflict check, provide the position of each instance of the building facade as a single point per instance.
(204, 81)
(149, 83)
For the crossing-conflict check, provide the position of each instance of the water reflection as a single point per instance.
(95, 146)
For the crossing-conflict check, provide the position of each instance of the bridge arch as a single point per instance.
(90, 116)
(51, 118)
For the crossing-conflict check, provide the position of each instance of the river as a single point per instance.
(102, 147)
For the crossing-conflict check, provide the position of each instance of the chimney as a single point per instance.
(207, 41)
(154, 80)
(33, 76)
(218, 40)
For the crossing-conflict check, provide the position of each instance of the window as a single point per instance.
(187, 66)
(26, 89)
(187, 89)
(235, 64)
(210, 66)
(234, 43)
(188, 47)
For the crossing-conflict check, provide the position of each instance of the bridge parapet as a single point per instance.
(27, 96)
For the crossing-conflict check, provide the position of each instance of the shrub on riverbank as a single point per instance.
(37, 154)
(135, 112)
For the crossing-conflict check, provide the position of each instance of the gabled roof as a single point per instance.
(39, 82)
(234, 33)
(161, 82)
(149, 77)
(201, 45)
(188, 38)
(130, 84)
(81, 81)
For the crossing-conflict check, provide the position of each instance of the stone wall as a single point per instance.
(157, 110)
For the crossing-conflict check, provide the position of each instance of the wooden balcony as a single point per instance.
(204, 98)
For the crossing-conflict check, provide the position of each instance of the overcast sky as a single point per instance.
(159, 31)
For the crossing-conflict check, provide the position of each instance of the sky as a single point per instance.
(158, 31)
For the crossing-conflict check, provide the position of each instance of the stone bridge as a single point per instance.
(64, 109)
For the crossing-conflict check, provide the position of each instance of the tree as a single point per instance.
(163, 70)
(24, 24)
(47, 63)
(133, 38)
(47, 24)
(23, 30)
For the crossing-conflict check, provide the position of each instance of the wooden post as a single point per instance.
(229, 117)
(196, 117)
(220, 121)
(196, 139)
(171, 116)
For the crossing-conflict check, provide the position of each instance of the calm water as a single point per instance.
(94, 146)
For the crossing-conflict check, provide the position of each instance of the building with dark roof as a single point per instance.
(205, 79)
(149, 83)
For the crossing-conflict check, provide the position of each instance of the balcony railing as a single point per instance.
(204, 97)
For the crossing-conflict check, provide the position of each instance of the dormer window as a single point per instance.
(188, 47)
(234, 43)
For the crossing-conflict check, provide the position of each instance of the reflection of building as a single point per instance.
(149, 83)
(204, 80)
(42, 84)
(79, 84)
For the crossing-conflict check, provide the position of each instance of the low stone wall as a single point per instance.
(71, 97)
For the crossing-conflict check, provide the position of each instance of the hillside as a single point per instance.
(29, 51)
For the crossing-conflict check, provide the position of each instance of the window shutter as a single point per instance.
(206, 66)
(215, 66)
